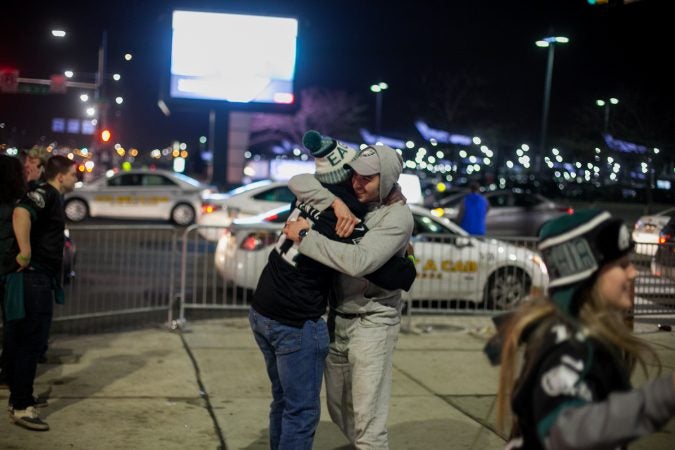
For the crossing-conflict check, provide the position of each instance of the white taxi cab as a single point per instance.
(647, 229)
(451, 265)
(138, 194)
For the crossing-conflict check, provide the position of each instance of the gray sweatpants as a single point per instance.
(358, 379)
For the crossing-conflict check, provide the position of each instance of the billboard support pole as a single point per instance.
(219, 127)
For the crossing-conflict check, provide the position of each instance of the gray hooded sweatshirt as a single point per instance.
(389, 231)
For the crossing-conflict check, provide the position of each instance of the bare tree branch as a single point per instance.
(334, 113)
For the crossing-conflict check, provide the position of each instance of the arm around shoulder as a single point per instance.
(387, 236)
(308, 189)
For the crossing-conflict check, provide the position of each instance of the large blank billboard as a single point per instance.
(242, 59)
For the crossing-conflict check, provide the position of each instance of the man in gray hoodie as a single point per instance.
(364, 319)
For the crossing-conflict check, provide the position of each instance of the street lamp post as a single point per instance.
(99, 79)
(100, 110)
(606, 105)
(550, 42)
(378, 89)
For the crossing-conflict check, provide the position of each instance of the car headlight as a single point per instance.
(438, 212)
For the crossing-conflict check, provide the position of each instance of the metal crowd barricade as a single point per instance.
(124, 275)
(202, 287)
(154, 274)
(655, 284)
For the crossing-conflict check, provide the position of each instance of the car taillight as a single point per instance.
(208, 208)
(663, 238)
(567, 210)
(256, 241)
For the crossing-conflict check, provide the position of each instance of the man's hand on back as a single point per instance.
(346, 221)
(293, 227)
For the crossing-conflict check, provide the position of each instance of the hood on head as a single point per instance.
(390, 166)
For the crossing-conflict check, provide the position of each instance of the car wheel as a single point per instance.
(506, 288)
(76, 210)
(183, 214)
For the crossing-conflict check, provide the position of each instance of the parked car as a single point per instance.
(434, 198)
(139, 194)
(513, 212)
(262, 196)
(647, 229)
(451, 265)
(252, 199)
(663, 263)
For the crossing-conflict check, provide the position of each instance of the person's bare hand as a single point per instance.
(346, 220)
(22, 261)
(293, 227)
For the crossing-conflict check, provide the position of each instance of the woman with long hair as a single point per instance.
(12, 187)
(566, 360)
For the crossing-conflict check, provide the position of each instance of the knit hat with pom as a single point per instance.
(330, 157)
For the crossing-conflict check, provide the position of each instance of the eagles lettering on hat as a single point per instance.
(368, 162)
(330, 156)
(575, 246)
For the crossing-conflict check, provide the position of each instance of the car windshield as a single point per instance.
(424, 224)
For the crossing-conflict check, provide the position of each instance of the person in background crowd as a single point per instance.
(34, 164)
(573, 390)
(292, 296)
(473, 211)
(12, 188)
(38, 222)
(364, 319)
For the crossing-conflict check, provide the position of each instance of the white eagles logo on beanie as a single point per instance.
(623, 238)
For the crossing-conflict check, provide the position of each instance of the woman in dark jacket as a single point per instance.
(12, 187)
(571, 389)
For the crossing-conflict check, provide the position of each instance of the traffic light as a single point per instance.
(105, 135)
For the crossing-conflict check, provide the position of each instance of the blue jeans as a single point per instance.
(295, 360)
(25, 339)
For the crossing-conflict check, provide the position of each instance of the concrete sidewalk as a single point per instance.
(206, 388)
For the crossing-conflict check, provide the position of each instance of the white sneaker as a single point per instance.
(40, 402)
(28, 418)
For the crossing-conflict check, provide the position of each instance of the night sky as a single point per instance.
(348, 45)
